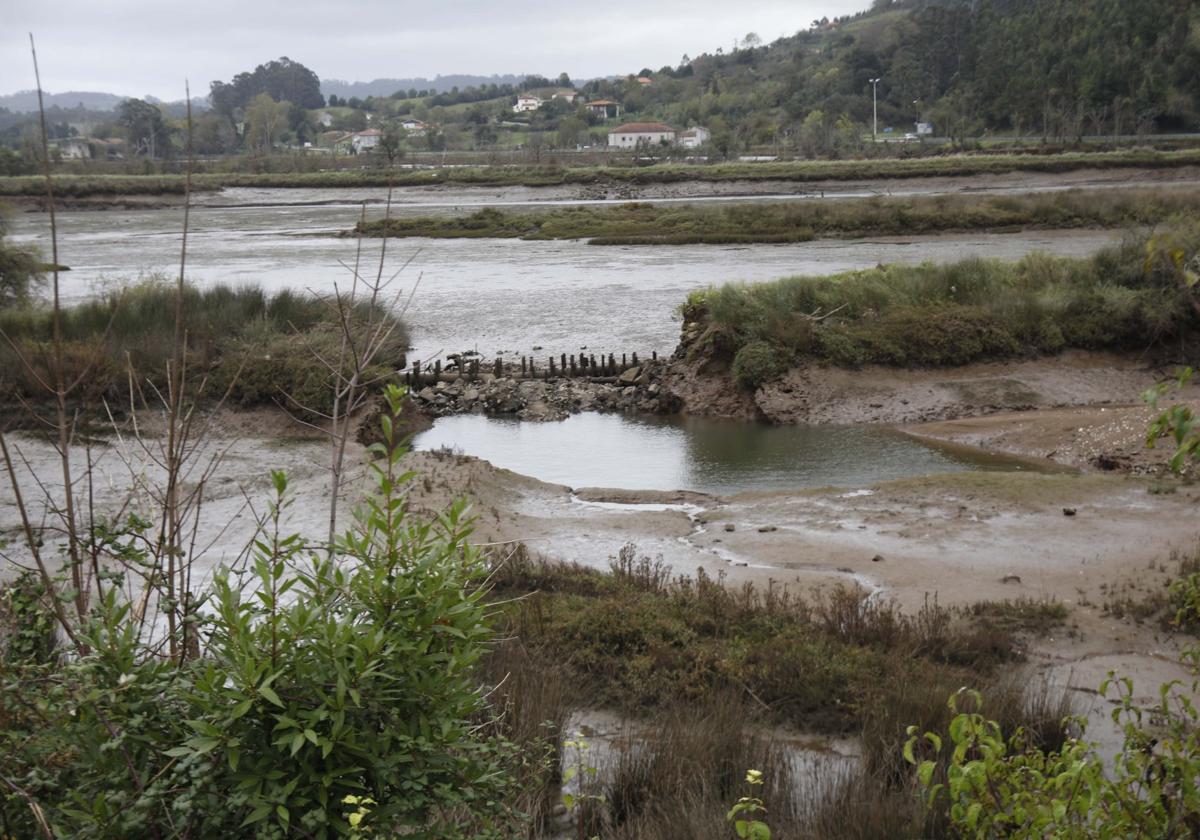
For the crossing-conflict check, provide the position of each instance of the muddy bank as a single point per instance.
(960, 539)
(1106, 437)
(816, 393)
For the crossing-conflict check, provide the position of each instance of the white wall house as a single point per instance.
(364, 141)
(632, 135)
(694, 138)
(74, 148)
(416, 128)
(527, 102)
(566, 94)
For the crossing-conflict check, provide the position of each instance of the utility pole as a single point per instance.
(875, 108)
(917, 112)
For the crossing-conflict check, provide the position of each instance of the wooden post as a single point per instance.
(563, 367)
(523, 367)
(592, 365)
(417, 373)
(635, 361)
(551, 374)
(498, 368)
(654, 355)
(437, 371)
(612, 365)
(572, 364)
(624, 364)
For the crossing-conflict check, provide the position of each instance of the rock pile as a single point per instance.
(636, 390)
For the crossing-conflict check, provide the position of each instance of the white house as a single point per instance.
(364, 141)
(568, 95)
(73, 148)
(632, 135)
(325, 119)
(527, 102)
(694, 137)
(416, 128)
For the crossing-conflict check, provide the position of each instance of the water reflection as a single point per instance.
(714, 456)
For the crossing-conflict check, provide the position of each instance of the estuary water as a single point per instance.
(493, 295)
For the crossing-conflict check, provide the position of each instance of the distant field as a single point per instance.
(799, 171)
(804, 219)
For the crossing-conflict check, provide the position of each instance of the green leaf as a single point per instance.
(257, 815)
(269, 693)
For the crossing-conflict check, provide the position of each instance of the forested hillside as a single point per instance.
(1055, 70)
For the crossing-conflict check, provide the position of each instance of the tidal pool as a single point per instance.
(700, 454)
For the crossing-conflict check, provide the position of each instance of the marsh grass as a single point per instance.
(256, 346)
(711, 671)
(802, 220)
(79, 185)
(1126, 297)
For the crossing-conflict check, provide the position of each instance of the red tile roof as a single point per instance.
(642, 128)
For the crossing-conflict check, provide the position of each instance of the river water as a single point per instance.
(697, 453)
(491, 295)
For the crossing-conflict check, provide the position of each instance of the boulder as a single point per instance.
(630, 376)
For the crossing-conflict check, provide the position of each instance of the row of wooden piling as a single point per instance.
(583, 366)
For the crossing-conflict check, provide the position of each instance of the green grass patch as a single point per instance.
(801, 220)
(258, 348)
(954, 165)
(1132, 296)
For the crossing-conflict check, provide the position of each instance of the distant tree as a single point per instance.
(392, 145)
(751, 41)
(266, 120)
(298, 122)
(570, 129)
(334, 102)
(144, 126)
(212, 134)
(564, 81)
(281, 80)
(535, 81)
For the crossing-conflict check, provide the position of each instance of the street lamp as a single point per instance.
(917, 112)
(875, 108)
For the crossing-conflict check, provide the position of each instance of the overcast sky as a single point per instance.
(138, 48)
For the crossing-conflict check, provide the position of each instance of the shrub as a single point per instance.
(757, 363)
(315, 676)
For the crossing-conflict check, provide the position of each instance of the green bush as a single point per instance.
(258, 347)
(983, 783)
(1125, 297)
(313, 677)
(757, 363)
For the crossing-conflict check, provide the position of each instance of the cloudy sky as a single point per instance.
(138, 48)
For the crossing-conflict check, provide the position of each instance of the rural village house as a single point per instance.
(694, 138)
(414, 127)
(605, 108)
(527, 102)
(632, 135)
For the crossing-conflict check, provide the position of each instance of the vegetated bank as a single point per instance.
(800, 221)
(1131, 297)
(244, 345)
(708, 666)
(962, 165)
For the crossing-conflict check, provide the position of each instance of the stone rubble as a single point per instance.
(637, 390)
